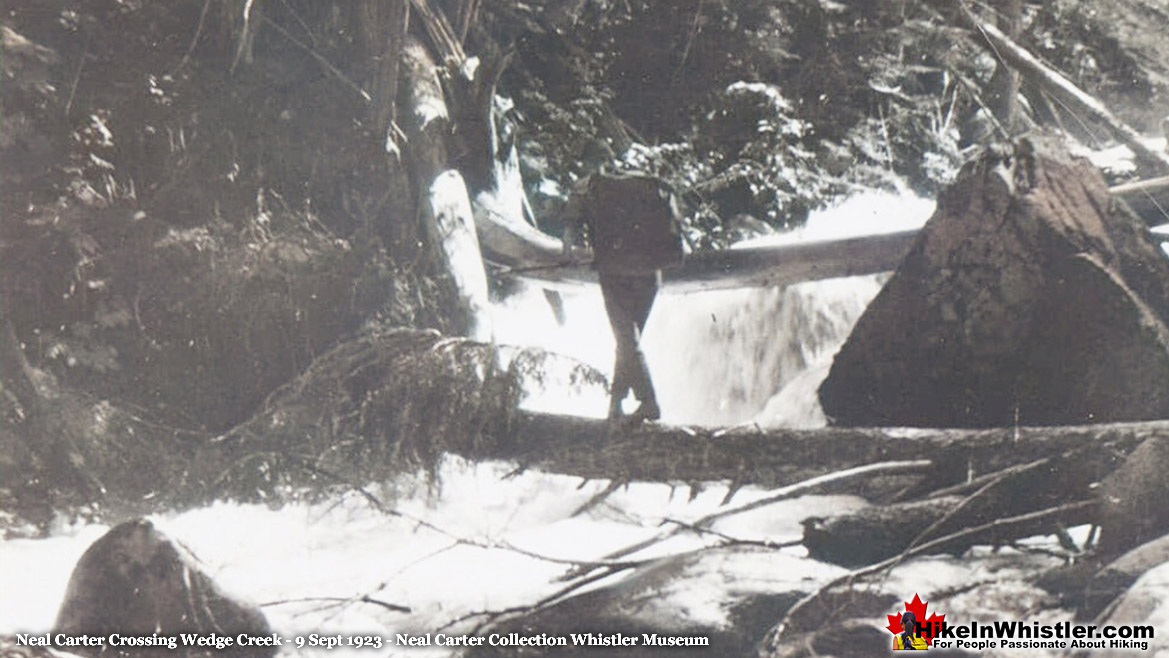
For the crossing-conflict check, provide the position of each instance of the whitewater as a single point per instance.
(489, 539)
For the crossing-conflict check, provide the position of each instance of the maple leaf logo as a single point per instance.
(918, 608)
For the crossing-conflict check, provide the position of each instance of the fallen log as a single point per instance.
(784, 265)
(875, 533)
(524, 251)
(813, 604)
(658, 452)
(534, 255)
(1149, 199)
(1069, 94)
(400, 399)
(530, 253)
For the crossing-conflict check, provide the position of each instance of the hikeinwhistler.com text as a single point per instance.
(1022, 635)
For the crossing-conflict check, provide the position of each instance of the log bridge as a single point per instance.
(522, 250)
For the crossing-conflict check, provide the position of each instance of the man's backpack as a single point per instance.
(634, 224)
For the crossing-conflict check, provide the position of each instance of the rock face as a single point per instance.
(1031, 296)
(135, 582)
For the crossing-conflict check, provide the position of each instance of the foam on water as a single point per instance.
(729, 356)
(717, 357)
(309, 563)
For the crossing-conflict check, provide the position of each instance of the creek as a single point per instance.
(488, 539)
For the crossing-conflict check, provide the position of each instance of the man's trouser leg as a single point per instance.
(628, 300)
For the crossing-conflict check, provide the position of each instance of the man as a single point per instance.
(909, 639)
(632, 222)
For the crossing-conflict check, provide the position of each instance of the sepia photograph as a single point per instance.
(584, 328)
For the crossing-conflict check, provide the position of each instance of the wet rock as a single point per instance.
(1031, 297)
(1144, 604)
(1133, 497)
(135, 582)
(1112, 581)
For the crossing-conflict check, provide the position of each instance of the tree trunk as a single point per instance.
(594, 448)
(383, 33)
(444, 208)
(1004, 84)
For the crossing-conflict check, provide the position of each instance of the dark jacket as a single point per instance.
(633, 223)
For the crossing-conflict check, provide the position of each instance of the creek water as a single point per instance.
(725, 357)
(717, 358)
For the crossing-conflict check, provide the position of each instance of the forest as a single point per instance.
(270, 261)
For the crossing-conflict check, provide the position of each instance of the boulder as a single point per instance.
(137, 583)
(1144, 604)
(1116, 577)
(1133, 509)
(1030, 297)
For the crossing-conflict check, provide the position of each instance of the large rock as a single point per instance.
(1143, 605)
(1116, 577)
(1133, 498)
(137, 583)
(1031, 296)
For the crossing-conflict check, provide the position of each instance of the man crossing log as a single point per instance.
(632, 224)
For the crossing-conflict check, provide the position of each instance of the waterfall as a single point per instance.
(725, 357)
(719, 357)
